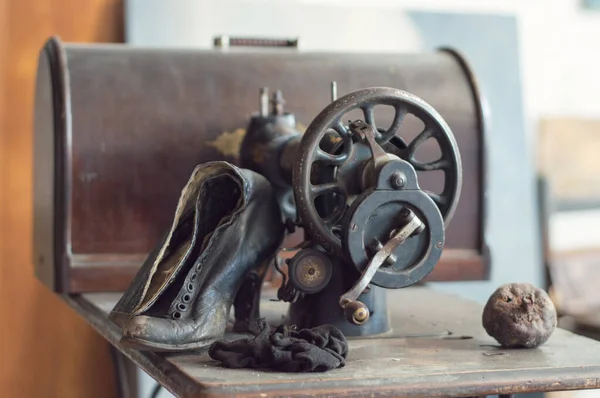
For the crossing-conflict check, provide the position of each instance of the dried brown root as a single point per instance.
(519, 315)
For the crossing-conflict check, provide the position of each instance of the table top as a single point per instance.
(437, 348)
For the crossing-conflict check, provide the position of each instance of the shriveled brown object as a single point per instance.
(519, 315)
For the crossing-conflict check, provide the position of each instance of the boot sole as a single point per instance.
(145, 345)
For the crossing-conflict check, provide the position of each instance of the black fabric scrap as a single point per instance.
(285, 349)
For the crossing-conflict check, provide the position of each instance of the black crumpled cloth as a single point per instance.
(285, 349)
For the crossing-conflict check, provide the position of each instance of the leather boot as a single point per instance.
(227, 227)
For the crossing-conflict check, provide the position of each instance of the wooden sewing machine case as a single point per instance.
(119, 129)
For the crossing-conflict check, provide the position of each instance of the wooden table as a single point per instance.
(437, 348)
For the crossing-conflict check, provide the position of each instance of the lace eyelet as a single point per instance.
(186, 298)
(190, 287)
(182, 307)
(176, 315)
(193, 277)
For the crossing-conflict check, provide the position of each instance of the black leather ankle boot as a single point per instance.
(226, 228)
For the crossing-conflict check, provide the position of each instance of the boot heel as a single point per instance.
(246, 304)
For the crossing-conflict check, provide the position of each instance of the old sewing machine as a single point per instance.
(354, 188)
(370, 185)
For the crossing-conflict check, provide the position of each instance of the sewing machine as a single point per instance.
(354, 189)
(381, 188)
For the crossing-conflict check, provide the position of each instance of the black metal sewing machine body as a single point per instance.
(354, 189)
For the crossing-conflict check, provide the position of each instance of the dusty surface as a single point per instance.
(438, 347)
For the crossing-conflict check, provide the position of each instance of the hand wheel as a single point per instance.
(329, 172)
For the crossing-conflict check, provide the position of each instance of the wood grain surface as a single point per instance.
(47, 350)
(437, 348)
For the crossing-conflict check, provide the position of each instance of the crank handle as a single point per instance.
(355, 309)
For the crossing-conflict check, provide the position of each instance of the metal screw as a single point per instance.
(398, 179)
(391, 260)
(264, 101)
(333, 91)
(376, 245)
(278, 102)
(354, 227)
(439, 245)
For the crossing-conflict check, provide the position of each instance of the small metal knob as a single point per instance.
(277, 103)
(356, 312)
(398, 180)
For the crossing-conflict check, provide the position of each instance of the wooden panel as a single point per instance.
(568, 157)
(47, 350)
(132, 153)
